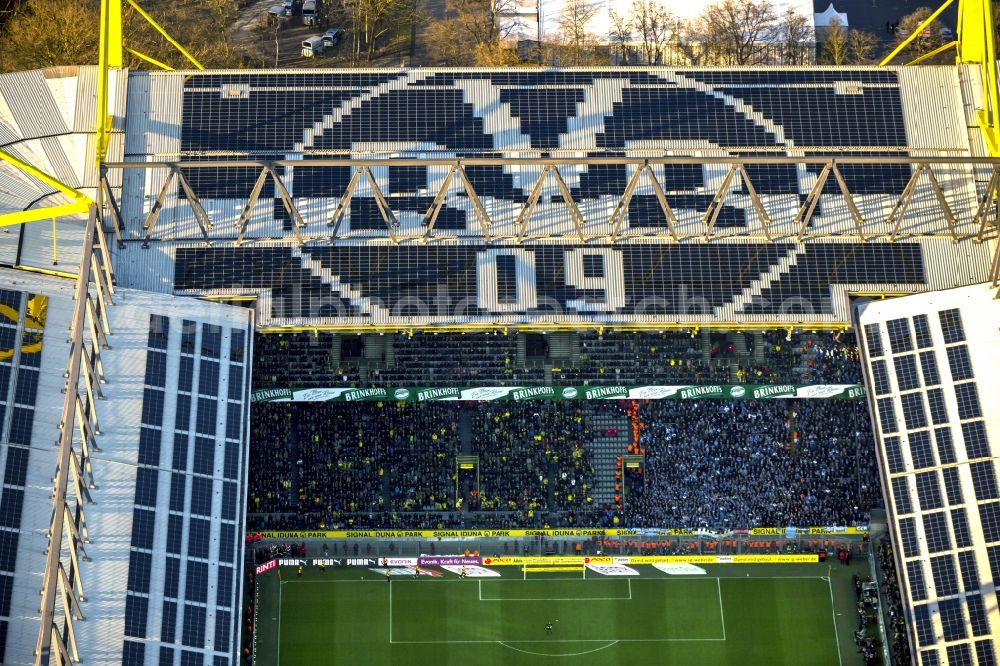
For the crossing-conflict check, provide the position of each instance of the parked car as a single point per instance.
(293, 7)
(332, 37)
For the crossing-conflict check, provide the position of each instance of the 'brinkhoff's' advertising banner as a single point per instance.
(488, 393)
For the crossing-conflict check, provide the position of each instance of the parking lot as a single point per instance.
(286, 38)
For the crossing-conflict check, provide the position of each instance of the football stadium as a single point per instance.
(524, 365)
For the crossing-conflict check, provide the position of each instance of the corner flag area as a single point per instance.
(726, 614)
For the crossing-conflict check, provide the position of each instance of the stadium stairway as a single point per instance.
(740, 345)
(465, 428)
(742, 354)
(293, 443)
(758, 347)
(610, 440)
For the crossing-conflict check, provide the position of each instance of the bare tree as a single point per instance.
(655, 26)
(738, 32)
(38, 35)
(484, 21)
(620, 36)
(578, 43)
(473, 31)
(267, 30)
(374, 20)
(496, 54)
(929, 38)
(797, 36)
(862, 46)
(834, 47)
(221, 14)
(199, 27)
(995, 11)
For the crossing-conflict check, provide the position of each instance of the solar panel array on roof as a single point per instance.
(20, 358)
(311, 115)
(653, 279)
(941, 491)
(302, 117)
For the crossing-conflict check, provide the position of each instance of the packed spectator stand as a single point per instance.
(713, 464)
(502, 359)
(710, 464)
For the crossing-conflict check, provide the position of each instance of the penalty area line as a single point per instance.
(567, 640)
(548, 654)
(555, 598)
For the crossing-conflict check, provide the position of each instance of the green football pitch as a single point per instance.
(801, 615)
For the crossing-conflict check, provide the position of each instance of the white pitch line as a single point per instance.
(722, 611)
(568, 654)
(390, 612)
(833, 613)
(571, 640)
(558, 599)
(278, 655)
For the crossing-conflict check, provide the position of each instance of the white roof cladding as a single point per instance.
(930, 368)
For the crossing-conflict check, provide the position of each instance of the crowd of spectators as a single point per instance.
(532, 459)
(300, 360)
(709, 464)
(423, 441)
(268, 552)
(738, 464)
(271, 461)
(306, 360)
(803, 358)
(393, 465)
(899, 646)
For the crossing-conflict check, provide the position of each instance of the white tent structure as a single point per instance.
(823, 19)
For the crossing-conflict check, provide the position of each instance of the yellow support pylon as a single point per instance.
(974, 45)
(81, 203)
(111, 58)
